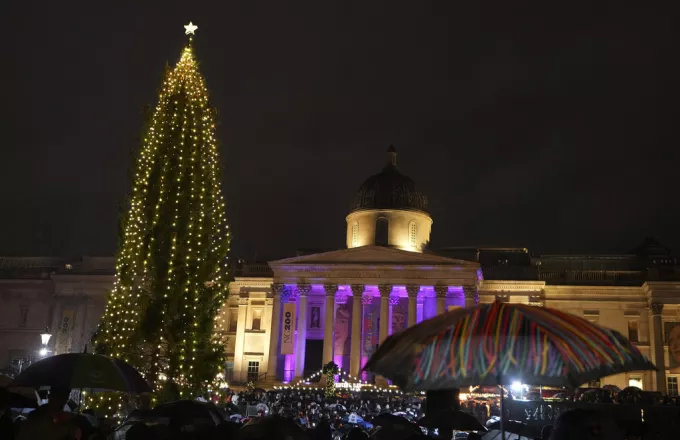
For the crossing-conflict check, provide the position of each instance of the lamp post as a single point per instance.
(45, 339)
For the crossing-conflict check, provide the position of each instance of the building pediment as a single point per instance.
(375, 265)
(372, 255)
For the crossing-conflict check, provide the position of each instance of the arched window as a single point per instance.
(355, 234)
(412, 233)
(382, 228)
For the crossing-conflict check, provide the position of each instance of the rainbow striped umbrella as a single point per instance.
(499, 343)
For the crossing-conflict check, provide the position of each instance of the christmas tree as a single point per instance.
(171, 269)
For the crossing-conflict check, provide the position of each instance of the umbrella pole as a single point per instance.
(502, 415)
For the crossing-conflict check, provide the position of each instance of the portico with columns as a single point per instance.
(352, 299)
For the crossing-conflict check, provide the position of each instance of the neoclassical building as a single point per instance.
(304, 311)
(284, 319)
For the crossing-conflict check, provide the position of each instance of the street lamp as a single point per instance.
(45, 336)
(45, 339)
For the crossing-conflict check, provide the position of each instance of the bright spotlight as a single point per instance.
(516, 386)
(43, 352)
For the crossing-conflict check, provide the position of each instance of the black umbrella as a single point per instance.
(20, 400)
(452, 419)
(272, 427)
(498, 435)
(81, 370)
(396, 424)
(516, 427)
(182, 413)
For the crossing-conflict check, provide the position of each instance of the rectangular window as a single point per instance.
(257, 319)
(672, 383)
(23, 315)
(315, 317)
(633, 331)
(595, 319)
(635, 381)
(253, 370)
(229, 371)
(233, 319)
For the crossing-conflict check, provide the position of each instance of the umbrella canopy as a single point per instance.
(82, 370)
(189, 413)
(496, 435)
(24, 397)
(516, 427)
(23, 400)
(5, 380)
(353, 418)
(452, 420)
(396, 424)
(497, 343)
(272, 427)
(612, 389)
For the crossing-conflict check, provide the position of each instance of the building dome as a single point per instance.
(389, 189)
(389, 211)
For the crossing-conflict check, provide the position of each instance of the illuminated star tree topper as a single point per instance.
(190, 28)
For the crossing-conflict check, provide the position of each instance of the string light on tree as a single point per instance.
(163, 314)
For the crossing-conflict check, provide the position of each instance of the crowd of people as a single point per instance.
(288, 414)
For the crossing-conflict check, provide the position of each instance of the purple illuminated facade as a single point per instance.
(345, 323)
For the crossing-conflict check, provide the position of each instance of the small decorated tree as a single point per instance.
(330, 370)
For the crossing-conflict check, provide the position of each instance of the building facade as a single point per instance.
(67, 297)
(286, 318)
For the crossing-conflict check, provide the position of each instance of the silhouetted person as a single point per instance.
(581, 424)
(6, 425)
(323, 431)
(50, 421)
(357, 434)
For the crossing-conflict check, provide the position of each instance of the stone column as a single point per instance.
(643, 327)
(385, 290)
(658, 346)
(303, 291)
(412, 292)
(366, 302)
(275, 331)
(440, 292)
(471, 296)
(394, 301)
(329, 322)
(355, 348)
(239, 371)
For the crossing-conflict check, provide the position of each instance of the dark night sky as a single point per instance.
(532, 126)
